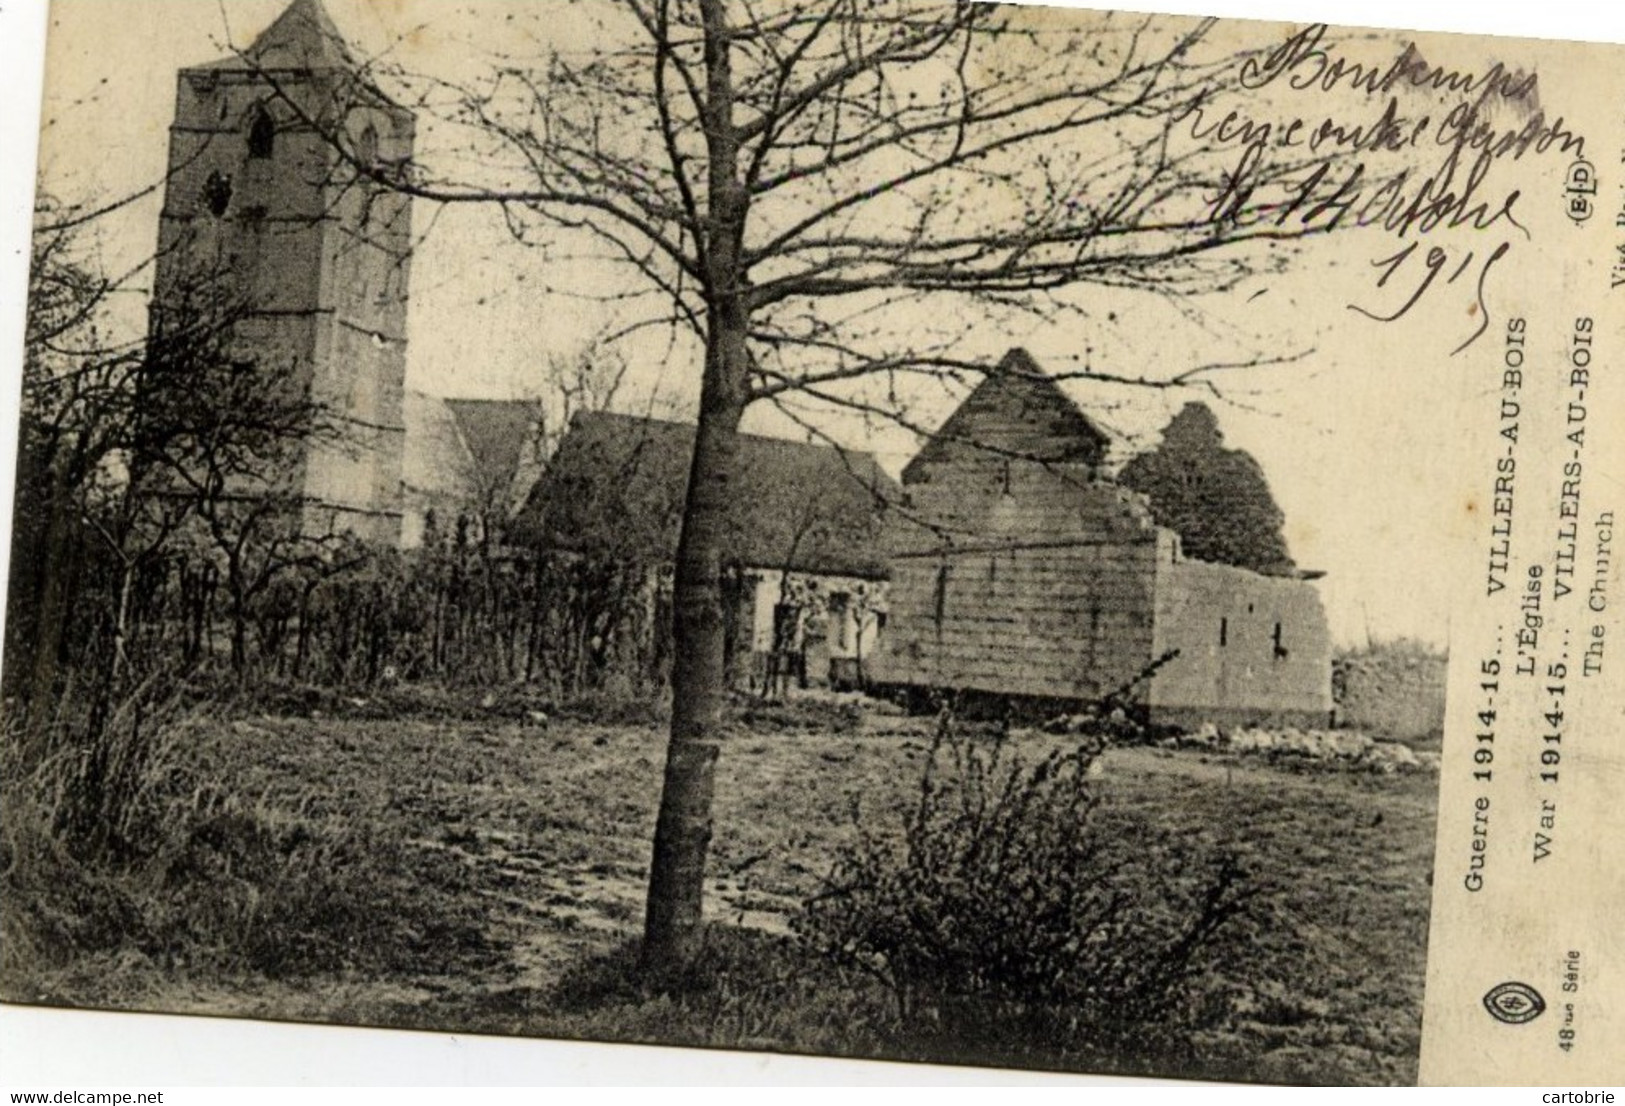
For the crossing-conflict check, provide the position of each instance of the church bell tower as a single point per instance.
(268, 192)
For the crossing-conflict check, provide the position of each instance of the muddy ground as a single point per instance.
(547, 828)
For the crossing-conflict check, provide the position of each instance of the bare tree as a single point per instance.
(817, 199)
(221, 435)
(75, 419)
(589, 379)
(133, 448)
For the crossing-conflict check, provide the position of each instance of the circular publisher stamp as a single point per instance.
(1514, 1003)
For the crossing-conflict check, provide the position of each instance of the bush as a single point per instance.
(1014, 923)
(85, 801)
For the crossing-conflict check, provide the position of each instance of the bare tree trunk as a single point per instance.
(121, 620)
(683, 831)
(52, 610)
(239, 616)
(672, 926)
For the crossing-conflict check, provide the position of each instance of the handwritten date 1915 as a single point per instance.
(1445, 200)
(1438, 259)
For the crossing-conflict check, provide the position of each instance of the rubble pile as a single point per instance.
(1343, 748)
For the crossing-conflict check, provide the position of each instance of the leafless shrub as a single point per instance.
(1013, 917)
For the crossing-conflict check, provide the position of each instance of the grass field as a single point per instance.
(494, 873)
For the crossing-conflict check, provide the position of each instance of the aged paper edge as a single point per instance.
(55, 1048)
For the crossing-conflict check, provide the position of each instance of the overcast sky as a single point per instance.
(1362, 439)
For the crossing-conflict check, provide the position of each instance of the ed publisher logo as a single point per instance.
(1514, 1003)
(1580, 185)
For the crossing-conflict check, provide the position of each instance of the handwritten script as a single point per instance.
(1402, 146)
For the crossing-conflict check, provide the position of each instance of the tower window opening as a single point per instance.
(217, 193)
(261, 135)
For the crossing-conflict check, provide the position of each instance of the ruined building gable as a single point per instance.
(1017, 413)
(1217, 500)
(1021, 570)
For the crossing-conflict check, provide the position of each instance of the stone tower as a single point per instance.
(264, 195)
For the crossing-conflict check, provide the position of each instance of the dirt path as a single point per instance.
(547, 832)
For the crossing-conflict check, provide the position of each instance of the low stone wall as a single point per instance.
(1394, 693)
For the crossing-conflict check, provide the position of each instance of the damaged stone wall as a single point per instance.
(1251, 649)
(1397, 692)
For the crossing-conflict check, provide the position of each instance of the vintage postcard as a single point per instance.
(987, 535)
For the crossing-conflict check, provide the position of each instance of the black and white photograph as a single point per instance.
(987, 535)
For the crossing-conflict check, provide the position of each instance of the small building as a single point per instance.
(469, 467)
(805, 559)
(1022, 569)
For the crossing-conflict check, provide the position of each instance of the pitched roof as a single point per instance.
(1018, 411)
(303, 37)
(498, 433)
(617, 486)
(435, 464)
(461, 450)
